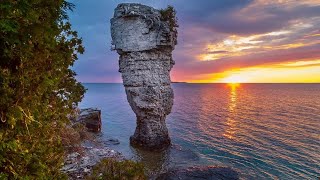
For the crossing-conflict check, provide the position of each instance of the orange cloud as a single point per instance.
(292, 72)
(262, 42)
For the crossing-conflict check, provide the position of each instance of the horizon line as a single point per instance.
(213, 83)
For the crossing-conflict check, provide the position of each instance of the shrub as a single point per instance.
(169, 15)
(117, 170)
(73, 136)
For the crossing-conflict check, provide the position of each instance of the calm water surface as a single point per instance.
(264, 131)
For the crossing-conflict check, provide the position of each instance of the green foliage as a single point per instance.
(117, 170)
(170, 15)
(37, 88)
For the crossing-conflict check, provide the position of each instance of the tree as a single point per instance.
(37, 88)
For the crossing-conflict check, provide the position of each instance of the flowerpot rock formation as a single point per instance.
(145, 39)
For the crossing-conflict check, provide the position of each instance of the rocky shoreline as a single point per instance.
(79, 163)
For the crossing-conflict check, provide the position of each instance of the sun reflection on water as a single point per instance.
(231, 122)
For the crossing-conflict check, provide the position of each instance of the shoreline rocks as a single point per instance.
(78, 165)
(145, 43)
(80, 161)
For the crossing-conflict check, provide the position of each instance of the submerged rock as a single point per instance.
(145, 43)
(112, 141)
(193, 173)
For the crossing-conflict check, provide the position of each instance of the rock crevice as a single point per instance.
(145, 43)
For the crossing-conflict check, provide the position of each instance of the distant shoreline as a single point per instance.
(197, 83)
(180, 82)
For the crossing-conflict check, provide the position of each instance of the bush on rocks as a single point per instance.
(117, 170)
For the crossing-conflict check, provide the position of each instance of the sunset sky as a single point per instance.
(219, 40)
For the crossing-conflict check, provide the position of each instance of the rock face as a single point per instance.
(144, 40)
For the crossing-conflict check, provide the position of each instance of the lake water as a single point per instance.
(264, 131)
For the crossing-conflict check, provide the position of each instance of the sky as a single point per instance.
(229, 41)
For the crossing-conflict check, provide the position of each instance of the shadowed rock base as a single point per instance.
(145, 43)
(151, 135)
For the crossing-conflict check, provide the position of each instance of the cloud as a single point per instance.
(292, 36)
(228, 34)
(196, 70)
(245, 17)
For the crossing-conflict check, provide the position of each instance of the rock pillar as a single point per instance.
(144, 39)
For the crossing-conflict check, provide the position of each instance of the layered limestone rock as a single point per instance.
(145, 40)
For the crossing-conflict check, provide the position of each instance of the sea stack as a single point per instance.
(144, 38)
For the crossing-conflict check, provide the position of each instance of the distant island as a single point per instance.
(178, 82)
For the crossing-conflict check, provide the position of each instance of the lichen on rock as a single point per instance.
(145, 41)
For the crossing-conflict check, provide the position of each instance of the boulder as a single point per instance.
(91, 118)
(194, 173)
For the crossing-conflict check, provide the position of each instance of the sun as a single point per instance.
(234, 79)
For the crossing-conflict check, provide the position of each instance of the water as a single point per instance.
(264, 131)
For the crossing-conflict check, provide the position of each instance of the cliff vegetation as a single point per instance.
(169, 14)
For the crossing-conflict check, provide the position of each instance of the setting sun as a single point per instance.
(234, 79)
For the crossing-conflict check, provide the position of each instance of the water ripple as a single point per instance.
(265, 131)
